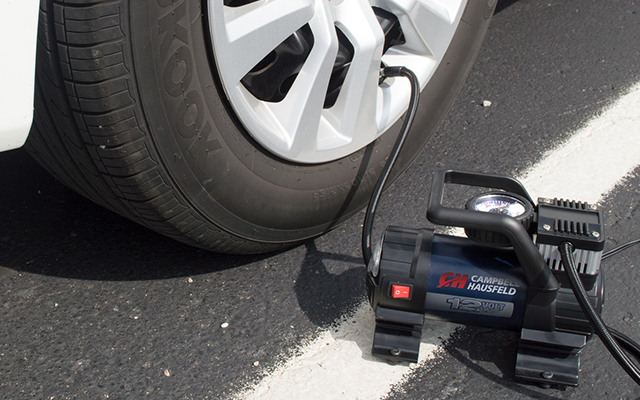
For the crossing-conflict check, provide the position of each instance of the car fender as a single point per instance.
(18, 27)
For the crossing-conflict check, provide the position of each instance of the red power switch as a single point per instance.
(400, 291)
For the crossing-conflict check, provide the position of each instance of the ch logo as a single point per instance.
(453, 280)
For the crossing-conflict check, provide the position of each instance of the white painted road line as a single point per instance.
(338, 364)
(593, 160)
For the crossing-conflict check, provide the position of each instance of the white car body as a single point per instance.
(19, 28)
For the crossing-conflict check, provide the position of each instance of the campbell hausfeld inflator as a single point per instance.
(507, 274)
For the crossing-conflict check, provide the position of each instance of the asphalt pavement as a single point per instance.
(94, 306)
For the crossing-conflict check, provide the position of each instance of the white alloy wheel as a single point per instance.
(299, 126)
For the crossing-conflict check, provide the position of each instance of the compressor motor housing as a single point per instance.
(507, 274)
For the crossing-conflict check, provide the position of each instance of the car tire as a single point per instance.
(131, 112)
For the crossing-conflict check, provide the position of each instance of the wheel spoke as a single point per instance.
(245, 35)
(428, 25)
(354, 112)
(300, 112)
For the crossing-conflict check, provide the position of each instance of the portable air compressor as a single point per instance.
(506, 274)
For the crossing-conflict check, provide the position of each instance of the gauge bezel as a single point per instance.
(488, 237)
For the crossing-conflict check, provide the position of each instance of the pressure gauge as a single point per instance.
(505, 203)
(499, 204)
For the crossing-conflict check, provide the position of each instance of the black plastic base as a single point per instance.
(397, 335)
(550, 358)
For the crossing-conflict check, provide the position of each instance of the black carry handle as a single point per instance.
(536, 270)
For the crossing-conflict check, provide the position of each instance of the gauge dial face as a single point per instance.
(499, 204)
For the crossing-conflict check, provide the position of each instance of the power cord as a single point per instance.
(620, 248)
(367, 227)
(611, 339)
